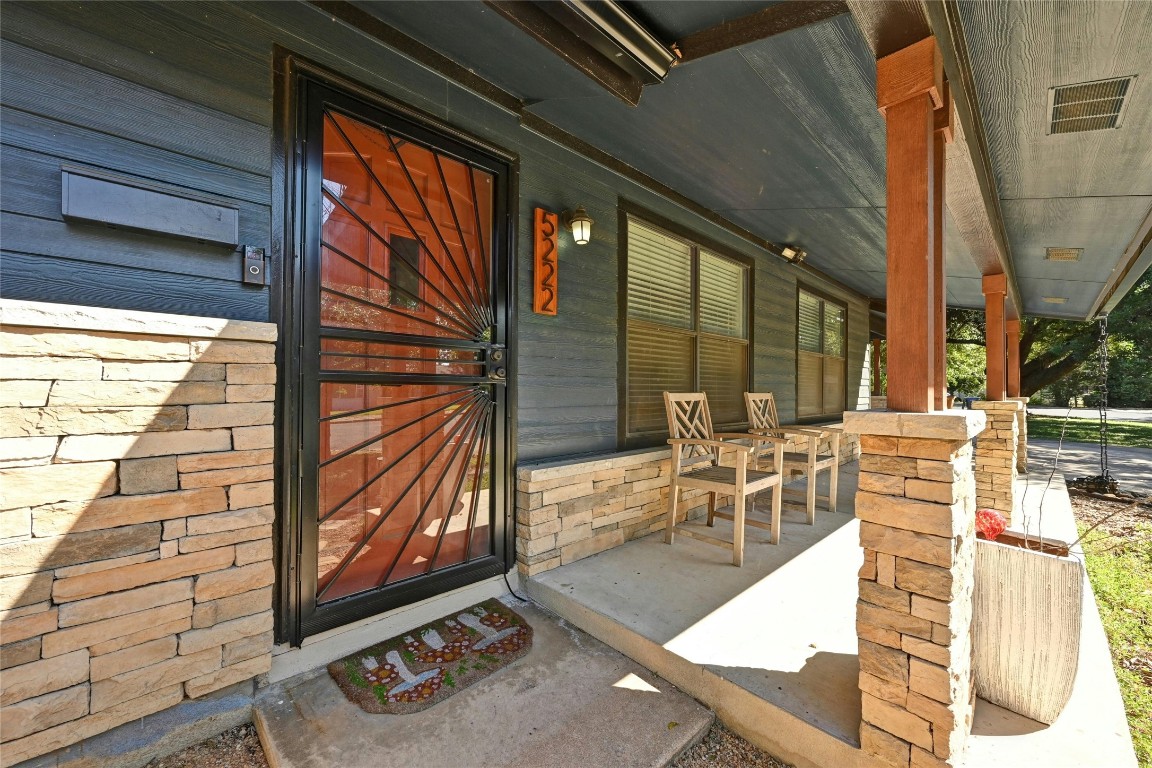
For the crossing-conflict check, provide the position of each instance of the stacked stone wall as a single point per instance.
(136, 511)
(996, 457)
(1022, 435)
(916, 506)
(566, 512)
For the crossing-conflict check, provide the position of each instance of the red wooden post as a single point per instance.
(995, 287)
(909, 85)
(1013, 330)
(941, 135)
(876, 368)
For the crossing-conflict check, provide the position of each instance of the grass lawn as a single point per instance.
(1120, 568)
(1134, 434)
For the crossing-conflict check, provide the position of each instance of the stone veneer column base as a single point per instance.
(996, 457)
(916, 505)
(136, 511)
(1022, 435)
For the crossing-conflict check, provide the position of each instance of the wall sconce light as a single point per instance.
(793, 254)
(580, 224)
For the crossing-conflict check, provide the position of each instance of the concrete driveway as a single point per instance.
(1114, 414)
(1132, 467)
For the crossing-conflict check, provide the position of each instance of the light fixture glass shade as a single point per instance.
(581, 225)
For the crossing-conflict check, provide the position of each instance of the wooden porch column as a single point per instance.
(1012, 327)
(941, 135)
(909, 86)
(995, 288)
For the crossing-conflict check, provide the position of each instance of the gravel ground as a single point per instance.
(723, 749)
(240, 748)
(236, 748)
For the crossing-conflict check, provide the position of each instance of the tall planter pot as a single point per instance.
(1027, 607)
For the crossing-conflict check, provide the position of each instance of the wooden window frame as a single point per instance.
(696, 243)
(825, 298)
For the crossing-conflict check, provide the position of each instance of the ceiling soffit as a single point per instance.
(1090, 190)
(780, 137)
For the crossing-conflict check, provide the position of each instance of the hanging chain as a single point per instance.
(1103, 482)
(1102, 391)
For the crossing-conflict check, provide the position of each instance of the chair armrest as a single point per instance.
(719, 444)
(808, 432)
(817, 429)
(751, 435)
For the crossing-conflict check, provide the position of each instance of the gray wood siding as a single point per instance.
(181, 93)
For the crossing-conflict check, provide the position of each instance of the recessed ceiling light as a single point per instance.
(1063, 254)
(1054, 299)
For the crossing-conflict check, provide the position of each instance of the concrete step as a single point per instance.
(741, 640)
(572, 701)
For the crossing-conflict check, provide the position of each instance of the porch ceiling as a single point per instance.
(782, 136)
(1090, 190)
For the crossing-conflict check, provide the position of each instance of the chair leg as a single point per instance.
(777, 499)
(834, 478)
(673, 500)
(811, 496)
(738, 530)
(777, 495)
(711, 508)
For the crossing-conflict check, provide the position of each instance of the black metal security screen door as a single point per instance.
(404, 361)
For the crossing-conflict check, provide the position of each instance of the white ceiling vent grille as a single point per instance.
(1063, 254)
(1088, 106)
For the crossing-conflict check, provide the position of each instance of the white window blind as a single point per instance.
(722, 297)
(683, 336)
(820, 363)
(809, 322)
(659, 277)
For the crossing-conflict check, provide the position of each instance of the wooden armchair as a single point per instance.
(696, 452)
(763, 420)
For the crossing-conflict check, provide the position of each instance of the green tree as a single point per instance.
(1060, 355)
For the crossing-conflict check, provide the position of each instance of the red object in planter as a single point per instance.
(990, 524)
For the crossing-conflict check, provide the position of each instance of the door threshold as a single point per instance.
(320, 649)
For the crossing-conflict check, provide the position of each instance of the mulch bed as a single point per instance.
(413, 671)
(237, 747)
(1116, 516)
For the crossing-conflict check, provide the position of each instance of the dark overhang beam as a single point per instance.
(756, 26)
(889, 25)
(598, 39)
(877, 326)
(435, 61)
(972, 155)
(1136, 259)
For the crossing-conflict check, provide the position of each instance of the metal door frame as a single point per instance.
(297, 86)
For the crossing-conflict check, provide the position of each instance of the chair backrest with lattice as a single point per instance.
(761, 410)
(688, 418)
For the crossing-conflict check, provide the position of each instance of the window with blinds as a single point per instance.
(687, 330)
(820, 353)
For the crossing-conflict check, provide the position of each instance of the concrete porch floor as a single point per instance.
(771, 647)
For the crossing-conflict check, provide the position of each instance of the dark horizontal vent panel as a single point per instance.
(1088, 106)
(94, 195)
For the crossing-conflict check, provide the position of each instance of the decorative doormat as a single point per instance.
(412, 672)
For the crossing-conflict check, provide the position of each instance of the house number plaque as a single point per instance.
(544, 273)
